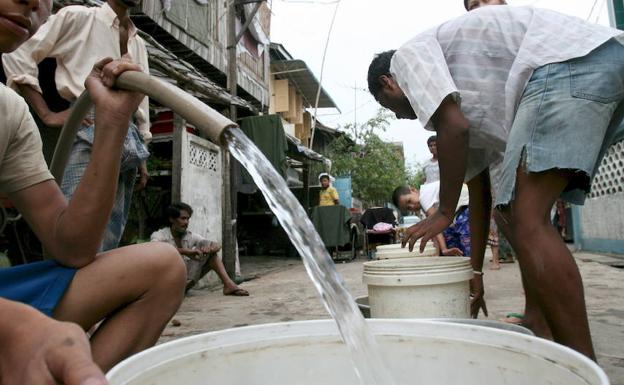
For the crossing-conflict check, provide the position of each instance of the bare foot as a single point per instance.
(495, 266)
(235, 291)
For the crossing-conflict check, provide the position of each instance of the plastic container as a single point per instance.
(405, 253)
(487, 323)
(394, 246)
(311, 353)
(425, 287)
(388, 247)
(362, 303)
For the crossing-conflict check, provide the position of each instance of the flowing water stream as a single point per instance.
(365, 354)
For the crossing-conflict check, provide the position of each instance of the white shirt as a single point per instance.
(188, 241)
(430, 196)
(484, 60)
(431, 169)
(77, 37)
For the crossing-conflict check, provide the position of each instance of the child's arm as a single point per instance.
(335, 196)
(439, 239)
(444, 250)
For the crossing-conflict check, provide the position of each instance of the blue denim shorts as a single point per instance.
(569, 115)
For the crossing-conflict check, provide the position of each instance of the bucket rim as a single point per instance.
(415, 263)
(283, 331)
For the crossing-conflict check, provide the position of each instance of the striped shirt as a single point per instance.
(484, 60)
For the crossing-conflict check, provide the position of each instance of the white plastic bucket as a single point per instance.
(425, 287)
(311, 353)
(399, 252)
(394, 246)
(388, 247)
(362, 303)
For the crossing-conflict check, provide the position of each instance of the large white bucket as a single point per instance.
(431, 287)
(311, 353)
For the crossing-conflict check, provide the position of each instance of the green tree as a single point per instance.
(376, 167)
(415, 176)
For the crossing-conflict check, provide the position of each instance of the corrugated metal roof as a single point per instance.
(169, 67)
(298, 73)
(178, 66)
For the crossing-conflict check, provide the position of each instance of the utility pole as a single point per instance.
(616, 13)
(355, 90)
(229, 189)
(227, 214)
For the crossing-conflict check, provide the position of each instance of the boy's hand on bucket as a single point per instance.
(110, 102)
(425, 230)
(477, 300)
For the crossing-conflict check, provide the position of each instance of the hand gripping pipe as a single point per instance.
(209, 122)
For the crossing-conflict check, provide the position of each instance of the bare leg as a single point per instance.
(135, 289)
(551, 275)
(495, 265)
(229, 286)
(533, 316)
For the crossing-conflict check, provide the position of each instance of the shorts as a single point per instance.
(568, 117)
(458, 233)
(38, 284)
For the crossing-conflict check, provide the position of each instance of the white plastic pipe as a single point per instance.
(209, 122)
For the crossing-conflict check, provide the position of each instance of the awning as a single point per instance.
(298, 152)
(298, 73)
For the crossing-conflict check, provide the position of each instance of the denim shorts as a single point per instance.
(568, 117)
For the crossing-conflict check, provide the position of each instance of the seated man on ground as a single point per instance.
(198, 253)
(455, 240)
(133, 290)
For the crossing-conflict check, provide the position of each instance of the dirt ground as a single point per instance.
(281, 291)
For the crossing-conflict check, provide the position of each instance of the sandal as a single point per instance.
(513, 318)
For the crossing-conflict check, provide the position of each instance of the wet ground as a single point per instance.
(281, 291)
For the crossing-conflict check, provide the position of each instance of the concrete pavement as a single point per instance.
(281, 291)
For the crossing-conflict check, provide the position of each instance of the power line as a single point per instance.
(318, 92)
(602, 5)
(591, 11)
(350, 111)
